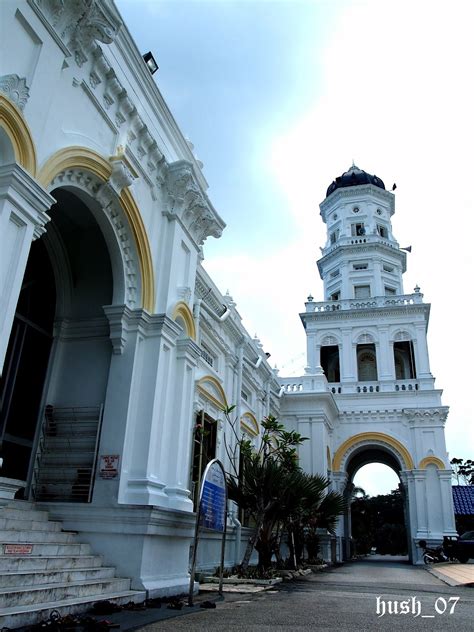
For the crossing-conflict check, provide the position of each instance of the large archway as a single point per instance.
(57, 364)
(359, 451)
(378, 513)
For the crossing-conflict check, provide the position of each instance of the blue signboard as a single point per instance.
(213, 498)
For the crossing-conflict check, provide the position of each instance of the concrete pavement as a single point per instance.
(364, 595)
(453, 573)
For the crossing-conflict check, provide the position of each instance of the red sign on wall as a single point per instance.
(17, 549)
(109, 465)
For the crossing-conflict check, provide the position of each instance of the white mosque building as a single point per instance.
(115, 343)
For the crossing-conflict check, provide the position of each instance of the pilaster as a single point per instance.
(23, 206)
(179, 426)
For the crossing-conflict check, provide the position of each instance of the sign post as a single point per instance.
(211, 514)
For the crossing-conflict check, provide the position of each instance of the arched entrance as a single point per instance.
(57, 364)
(377, 513)
(362, 450)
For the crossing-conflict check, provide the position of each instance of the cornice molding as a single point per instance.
(189, 204)
(426, 416)
(77, 24)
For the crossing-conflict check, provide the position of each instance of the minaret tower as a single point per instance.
(368, 394)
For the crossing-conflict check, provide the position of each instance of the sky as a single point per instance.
(278, 98)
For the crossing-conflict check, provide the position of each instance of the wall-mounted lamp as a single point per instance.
(150, 62)
(225, 315)
(408, 248)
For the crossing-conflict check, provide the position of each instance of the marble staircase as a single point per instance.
(43, 568)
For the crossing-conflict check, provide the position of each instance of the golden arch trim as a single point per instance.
(17, 130)
(367, 437)
(85, 158)
(211, 388)
(182, 310)
(431, 460)
(250, 424)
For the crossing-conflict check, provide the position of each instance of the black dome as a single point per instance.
(353, 178)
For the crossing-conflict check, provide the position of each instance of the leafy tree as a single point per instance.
(379, 522)
(463, 471)
(269, 485)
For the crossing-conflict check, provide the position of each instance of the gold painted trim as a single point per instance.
(252, 427)
(74, 157)
(372, 436)
(221, 404)
(182, 309)
(83, 157)
(431, 460)
(17, 130)
(143, 248)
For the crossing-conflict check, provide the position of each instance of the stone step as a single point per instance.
(61, 473)
(44, 563)
(75, 457)
(50, 549)
(10, 597)
(22, 505)
(15, 513)
(22, 579)
(16, 616)
(16, 536)
(15, 524)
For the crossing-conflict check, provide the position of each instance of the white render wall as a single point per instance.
(90, 103)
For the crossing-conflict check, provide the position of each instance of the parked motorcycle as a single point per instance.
(432, 555)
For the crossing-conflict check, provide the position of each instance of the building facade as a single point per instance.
(115, 343)
(119, 353)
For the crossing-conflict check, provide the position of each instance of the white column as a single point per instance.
(23, 206)
(312, 354)
(348, 366)
(187, 354)
(385, 365)
(447, 505)
(421, 352)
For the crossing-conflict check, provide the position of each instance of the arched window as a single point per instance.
(366, 363)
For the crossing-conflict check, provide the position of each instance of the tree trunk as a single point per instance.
(251, 545)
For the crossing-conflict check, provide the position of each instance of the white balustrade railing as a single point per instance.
(318, 383)
(364, 303)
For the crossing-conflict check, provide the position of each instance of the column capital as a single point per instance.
(27, 197)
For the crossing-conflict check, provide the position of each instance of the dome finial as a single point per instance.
(354, 167)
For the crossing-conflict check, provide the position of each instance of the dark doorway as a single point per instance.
(330, 363)
(26, 363)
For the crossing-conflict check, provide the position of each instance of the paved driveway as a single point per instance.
(344, 598)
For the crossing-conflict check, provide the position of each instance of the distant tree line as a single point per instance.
(379, 522)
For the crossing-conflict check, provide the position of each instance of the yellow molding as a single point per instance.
(367, 437)
(85, 158)
(252, 426)
(17, 130)
(74, 157)
(143, 248)
(431, 460)
(181, 309)
(215, 384)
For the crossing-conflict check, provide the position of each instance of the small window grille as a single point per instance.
(362, 291)
(360, 266)
(357, 230)
(387, 268)
(335, 273)
(382, 231)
